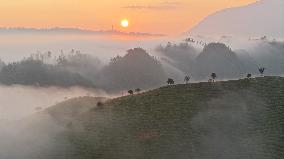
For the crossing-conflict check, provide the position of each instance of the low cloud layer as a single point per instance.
(21, 101)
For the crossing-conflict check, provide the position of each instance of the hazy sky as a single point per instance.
(157, 16)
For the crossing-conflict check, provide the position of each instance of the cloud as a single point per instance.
(166, 5)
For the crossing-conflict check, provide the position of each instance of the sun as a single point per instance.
(124, 23)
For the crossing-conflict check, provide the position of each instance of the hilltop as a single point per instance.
(222, 120)
(219, 58)
(136, 69)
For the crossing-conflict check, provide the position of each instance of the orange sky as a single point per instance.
(156, 16)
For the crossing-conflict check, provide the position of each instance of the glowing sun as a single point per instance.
(124, 23)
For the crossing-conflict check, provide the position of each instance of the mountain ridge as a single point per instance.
(256, 19)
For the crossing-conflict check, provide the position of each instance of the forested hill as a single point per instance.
(221, 120)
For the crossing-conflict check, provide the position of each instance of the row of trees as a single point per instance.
(170, 81)
(213, 76)
(46, 70)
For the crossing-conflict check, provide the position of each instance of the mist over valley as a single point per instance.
(130, 80)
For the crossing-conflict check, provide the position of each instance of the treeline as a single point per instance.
(220, 58)
(34, 71)
(136, 69)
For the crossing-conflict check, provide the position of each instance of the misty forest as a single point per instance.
(215, 91)
(139, 69)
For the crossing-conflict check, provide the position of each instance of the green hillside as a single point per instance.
(241, 119)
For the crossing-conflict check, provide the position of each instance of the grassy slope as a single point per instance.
(234, 119)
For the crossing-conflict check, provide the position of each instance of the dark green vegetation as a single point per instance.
(46, 70)
(221, 59)
(223, 120)
(36, 73)
(137, 69)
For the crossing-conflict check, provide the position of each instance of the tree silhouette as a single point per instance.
(186, 79)
(249, 76)
(213, 76)
(261, 70)
(137, 90)
(131, 92)
(100, 104)
(170, 81)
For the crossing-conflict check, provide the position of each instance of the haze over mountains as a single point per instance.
(58, 30)
(264, 17)
(68, 93)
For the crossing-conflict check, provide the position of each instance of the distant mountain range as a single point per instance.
(262, 18)
(58, 30)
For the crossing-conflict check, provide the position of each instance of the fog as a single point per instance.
(18, 101)
(31, 138)
(16, 46)
(93, 67)
(26, 132)
(224, 129)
